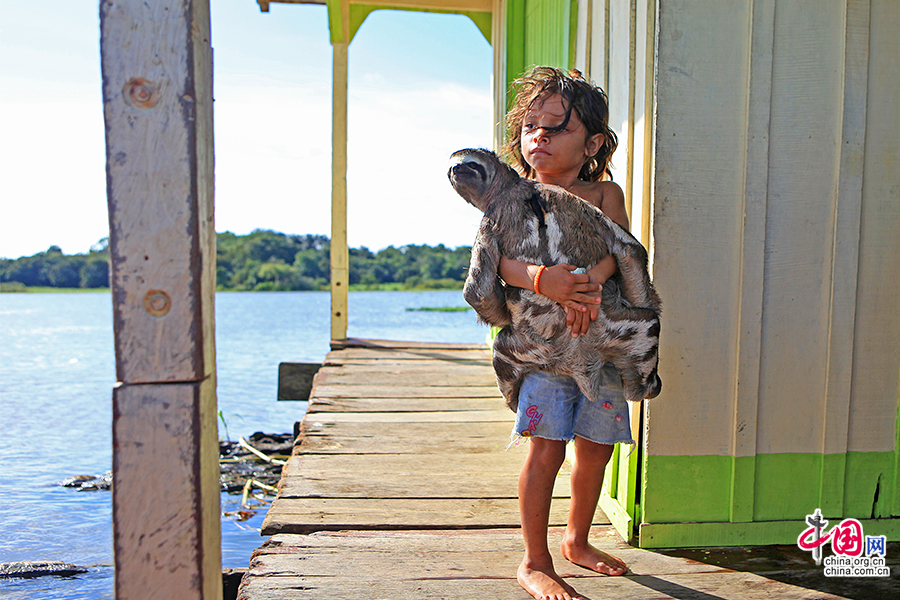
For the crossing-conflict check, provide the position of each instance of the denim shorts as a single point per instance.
(552, 407)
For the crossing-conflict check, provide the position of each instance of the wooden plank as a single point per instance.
(694, 399)
(402, 543)
(503, 415)
(401, 363)
(448, 403)
(494, 550)
(404, 438)
(424, 375)
(375, 588)
(305, 515)
(402, 392)
(752, 259)
(295, 380)
(491, 475)
(712, 586)
(387, 368)
(873, 427)
(845, 262)
(433, 354)
(395, 344)
(412, 373)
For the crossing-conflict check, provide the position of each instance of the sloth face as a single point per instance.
(471, 174)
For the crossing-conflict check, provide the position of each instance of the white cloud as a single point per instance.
(400, 143)
(52, 161)
(272, 131)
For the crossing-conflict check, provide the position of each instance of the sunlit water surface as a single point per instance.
(57, 370)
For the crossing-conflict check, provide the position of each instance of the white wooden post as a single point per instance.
(157, 99)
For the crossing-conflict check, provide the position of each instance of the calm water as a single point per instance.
(57, 369)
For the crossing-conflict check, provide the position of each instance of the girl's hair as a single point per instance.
(577, 94)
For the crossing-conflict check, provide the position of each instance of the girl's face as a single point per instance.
(556, 155)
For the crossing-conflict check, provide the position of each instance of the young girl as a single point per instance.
(558, 134)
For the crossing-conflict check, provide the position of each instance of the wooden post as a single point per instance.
(157, 99)
(340, 260)
(498, 43)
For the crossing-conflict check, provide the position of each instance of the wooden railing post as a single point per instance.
(340, 260)
(157, 100)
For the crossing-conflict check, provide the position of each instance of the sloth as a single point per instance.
(544, 224)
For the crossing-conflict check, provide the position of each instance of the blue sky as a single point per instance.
(419, 90)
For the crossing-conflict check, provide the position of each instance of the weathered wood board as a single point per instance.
(405, 438)
(729, 585)
(482, 564)
(400, 344)
(388, 404)
(399, 392)
(411, 375)
(454, 373)
(305, 515)
(440, 354)
(435, 416)
(493, 475)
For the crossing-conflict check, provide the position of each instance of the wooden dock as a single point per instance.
(401, 486)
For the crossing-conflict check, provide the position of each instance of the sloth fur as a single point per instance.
(546, 225)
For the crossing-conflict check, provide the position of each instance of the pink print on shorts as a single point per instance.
(534, 417)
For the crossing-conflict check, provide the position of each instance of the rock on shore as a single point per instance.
(39, 568)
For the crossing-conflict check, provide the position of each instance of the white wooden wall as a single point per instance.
(614, 48)
(615, 45)
(777, 227)
(758, 153)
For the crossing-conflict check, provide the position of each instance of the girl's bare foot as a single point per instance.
(543, 583)
(593, 559)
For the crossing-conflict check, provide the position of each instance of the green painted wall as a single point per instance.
(681, 493)
(539, 32)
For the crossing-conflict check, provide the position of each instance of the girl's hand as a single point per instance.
(579, 321)
(578, 293)
(571, 290)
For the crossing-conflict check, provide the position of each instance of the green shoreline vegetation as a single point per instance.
(263, 260)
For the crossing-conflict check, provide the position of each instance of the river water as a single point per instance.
(57, 370)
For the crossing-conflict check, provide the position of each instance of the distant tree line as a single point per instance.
(264, 261)
(52, 268)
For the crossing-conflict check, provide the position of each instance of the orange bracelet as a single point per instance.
(537, 278)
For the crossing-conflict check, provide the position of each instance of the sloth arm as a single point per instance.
(483, 289)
